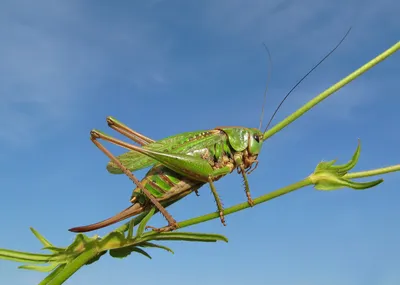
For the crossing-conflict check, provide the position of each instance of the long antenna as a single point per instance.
(266, 84)
(308, 73)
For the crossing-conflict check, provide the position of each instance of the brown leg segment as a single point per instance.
(217, 201)
(171, 222)
(246, 185)
(128, 132)
(251, 169)
(163, 229)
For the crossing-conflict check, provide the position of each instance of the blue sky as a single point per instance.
(165, 67)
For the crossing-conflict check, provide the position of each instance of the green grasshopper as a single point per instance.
(182, 163)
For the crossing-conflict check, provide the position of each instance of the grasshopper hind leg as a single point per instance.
(163, 229)
(172, 224)
(128, 132)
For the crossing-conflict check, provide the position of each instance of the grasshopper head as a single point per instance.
(255, 141)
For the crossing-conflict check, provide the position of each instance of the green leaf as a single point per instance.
(113, 238)
(150, 244)
(80, 243)
(324, 165)
(130, 229)
(364, 185)
(24, 257)
(187, 236)
(344, 168)
(55, 249)
(41, 238)
(141, 251)
(327, 176)
(121, 252)
(136, 221)
(329, 182)
(39, 268)
(144, 222)
(125, 251)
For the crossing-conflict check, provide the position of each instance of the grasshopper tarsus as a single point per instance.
(251, 168)
(110, 121)
(222, 218)
(94, 135)
(168, 228)
(250, 200)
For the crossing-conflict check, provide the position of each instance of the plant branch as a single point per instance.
(245, 205)
(73, 266)
(282, 191)
(373, 172)
(306, 107)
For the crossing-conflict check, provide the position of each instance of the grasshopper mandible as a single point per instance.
(183, 163)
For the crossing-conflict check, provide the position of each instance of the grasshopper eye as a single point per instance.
(257, 138)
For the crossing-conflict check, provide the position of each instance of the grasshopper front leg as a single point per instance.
(239, 161)
(172, 224)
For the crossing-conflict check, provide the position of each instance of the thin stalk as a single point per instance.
(245, 205)
(306, 107)
(282, 191)
(74, 266)
(264, 198)
(373, 172)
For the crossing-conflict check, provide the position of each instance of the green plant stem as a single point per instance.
(306, 107)
(74, 266)
(242, 206)
(267, 197)
(282, 191)
(373, 172)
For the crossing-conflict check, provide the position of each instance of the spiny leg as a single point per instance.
(193, 167)
(128, 132)
(246, 185)
(217, 201)
(171, 222)
(238, 157)
(216, 197)
(163, 229)
(251, 168)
